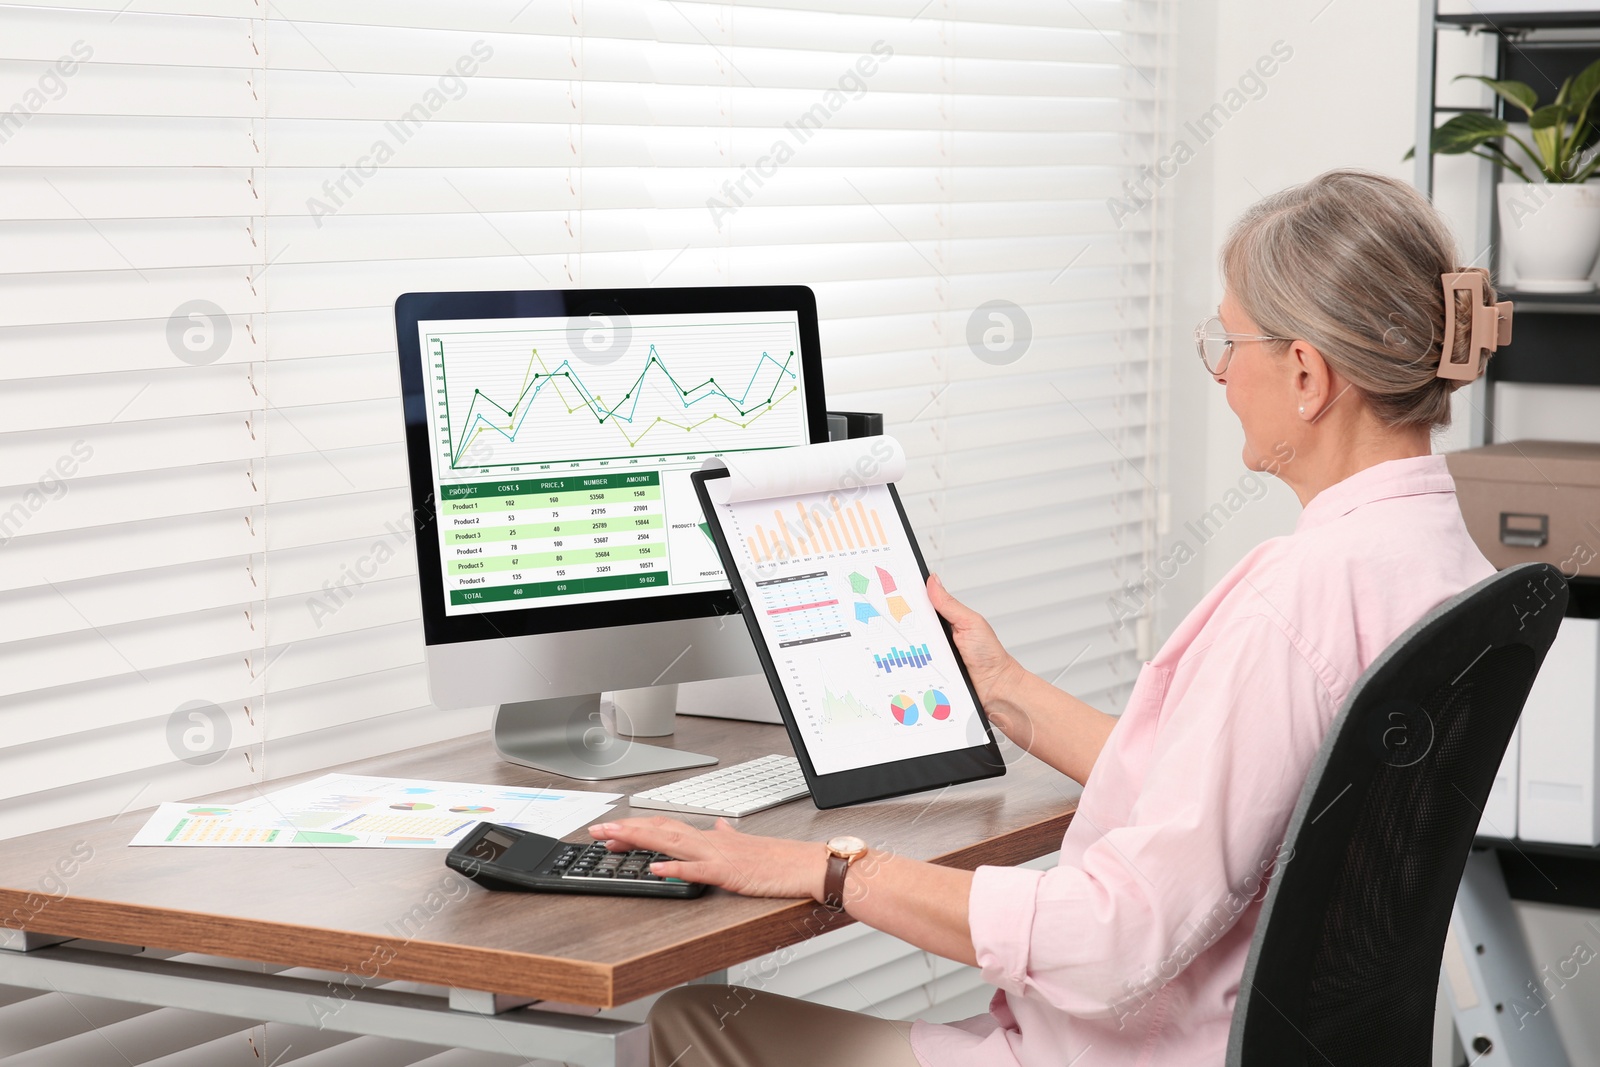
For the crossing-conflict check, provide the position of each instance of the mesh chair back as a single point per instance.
(1344, 963)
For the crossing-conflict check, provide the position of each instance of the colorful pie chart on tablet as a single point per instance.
(904, 709)
(936, 704)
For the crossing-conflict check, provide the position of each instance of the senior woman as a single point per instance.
(1130, 951)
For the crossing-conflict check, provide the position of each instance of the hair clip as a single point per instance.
(1491, 327)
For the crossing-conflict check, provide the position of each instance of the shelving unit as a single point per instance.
(1546, 873)
(1555, 341)
(1551, 329)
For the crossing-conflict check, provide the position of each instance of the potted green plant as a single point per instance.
(1550, 217)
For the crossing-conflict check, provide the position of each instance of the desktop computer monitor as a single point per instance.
(561, 552)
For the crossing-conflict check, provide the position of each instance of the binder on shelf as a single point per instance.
(1500, 810)
(1481, 8)
(1560, 749)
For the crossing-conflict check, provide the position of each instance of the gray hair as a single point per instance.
(1351, 262)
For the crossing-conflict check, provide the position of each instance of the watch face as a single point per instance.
(847, 846)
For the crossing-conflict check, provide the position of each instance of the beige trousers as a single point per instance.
(731, 1026)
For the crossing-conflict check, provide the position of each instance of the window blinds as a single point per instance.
(207, 208)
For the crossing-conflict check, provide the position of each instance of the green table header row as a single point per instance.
(565, 484)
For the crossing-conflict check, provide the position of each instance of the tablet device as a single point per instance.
(834, 590)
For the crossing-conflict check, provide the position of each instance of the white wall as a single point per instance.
(1345, 98)
(1319, 110)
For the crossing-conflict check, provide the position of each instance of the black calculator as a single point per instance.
(503, 857)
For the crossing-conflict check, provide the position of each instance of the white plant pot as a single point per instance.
(1550, 235)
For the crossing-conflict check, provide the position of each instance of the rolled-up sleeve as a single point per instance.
(1239, 724)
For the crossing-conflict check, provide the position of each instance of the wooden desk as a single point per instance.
(401, 915)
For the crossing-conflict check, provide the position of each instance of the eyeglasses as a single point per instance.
(1215, 343)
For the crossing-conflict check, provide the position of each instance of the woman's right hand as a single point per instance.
(1053, 725)
(993, 669)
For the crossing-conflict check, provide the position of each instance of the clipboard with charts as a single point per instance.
(830, 580)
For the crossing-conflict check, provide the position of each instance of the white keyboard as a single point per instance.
(731, 791)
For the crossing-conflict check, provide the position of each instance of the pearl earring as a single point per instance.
(1302, 409)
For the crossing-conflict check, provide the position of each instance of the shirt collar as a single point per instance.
(1381, 481)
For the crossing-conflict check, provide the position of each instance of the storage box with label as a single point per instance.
(1532, 502)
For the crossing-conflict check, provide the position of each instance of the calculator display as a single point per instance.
(491, 846)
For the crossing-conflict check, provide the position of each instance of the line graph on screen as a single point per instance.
(514, 397)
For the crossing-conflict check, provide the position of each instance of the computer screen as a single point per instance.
(560, 442)
(561, 552)
(563, 459)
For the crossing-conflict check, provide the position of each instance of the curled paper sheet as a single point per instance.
(831, 467)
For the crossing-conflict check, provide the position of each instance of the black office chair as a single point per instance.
(1344, 964)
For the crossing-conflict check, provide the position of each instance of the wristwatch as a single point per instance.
(842, 852)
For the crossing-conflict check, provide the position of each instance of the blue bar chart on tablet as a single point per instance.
(915, 656)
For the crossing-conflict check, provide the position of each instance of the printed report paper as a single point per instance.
(360, 811)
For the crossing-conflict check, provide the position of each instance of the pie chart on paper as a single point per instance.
(472, 809)
(411, 806)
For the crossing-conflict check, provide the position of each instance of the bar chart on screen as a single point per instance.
(824, 528)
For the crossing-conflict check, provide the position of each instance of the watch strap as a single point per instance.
(833, 881)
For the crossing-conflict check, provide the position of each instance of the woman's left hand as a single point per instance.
(722, 856)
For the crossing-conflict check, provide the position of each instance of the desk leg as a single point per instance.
(582, 1041)
(1501, 1013)
(481, 1003)
(26, 940)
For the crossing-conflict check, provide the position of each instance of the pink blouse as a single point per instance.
(1129, 952)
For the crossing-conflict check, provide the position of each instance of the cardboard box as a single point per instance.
(1532, 502)
(1560, 727)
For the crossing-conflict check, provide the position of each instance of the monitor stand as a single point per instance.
(565, 736)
